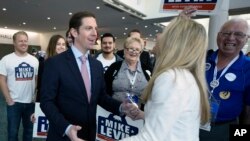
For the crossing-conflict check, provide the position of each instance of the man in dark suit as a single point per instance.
(69, 105)
(144, 57)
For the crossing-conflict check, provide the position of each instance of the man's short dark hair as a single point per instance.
(76, 19)
(107, 35)
(134, 30)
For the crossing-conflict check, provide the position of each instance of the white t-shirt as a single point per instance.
(105, 63)
(20, 73)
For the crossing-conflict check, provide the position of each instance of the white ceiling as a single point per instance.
(35, 12)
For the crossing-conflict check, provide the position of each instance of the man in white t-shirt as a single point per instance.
(18, 74)
(107, 56)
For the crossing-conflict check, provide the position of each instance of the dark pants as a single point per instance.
(16, 113)
(219, 132)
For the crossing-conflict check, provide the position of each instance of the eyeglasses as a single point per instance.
(238, 35)
(132, 50)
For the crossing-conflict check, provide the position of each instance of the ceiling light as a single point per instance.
(126, 28)
(48, 18)
(54, 28)
(70, 13)
(124, 33)
(5, 27)
(24, 23)
(4, 9)
(122, 6)
(156, 30)
(98, 7)
(150, 35)
(123, 18)
(146, 26)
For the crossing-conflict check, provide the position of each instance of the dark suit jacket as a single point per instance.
(64, 100)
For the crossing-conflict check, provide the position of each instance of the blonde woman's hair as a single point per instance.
(183, 45)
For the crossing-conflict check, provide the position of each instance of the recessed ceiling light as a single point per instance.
(24, 23)
(126, 28)
(156, 30)
(4, 9)
(54, 28)
(150, 35)
(70, 13)
(5, 27)
(98, 7)
(124, 33)
(146, 26)
(48, 18)
(123, 18)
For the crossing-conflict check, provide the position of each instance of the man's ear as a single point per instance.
(74, 32)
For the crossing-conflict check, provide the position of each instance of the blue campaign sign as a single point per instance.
(190, 1)
(115, 128)
(43, 126)
(180, 4)
(112, 127)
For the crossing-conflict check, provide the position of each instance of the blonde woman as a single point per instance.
(176, 96)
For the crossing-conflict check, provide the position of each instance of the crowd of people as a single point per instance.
(184, 93)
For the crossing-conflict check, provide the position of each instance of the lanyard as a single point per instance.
(215, 82)
(131, 78)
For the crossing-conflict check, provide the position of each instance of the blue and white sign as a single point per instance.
(41, 124)
(207, 5)
(111, 127)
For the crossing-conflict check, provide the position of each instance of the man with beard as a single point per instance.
(107, 56)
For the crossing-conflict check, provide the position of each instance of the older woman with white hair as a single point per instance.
(129, 76)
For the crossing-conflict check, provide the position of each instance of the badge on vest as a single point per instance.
(225, 95)
(208, 66)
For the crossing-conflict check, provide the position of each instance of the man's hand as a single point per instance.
(131, 110)
(33, 118)
(72, 133)
(138, 115)
(10, 101)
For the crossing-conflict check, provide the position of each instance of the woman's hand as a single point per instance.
(188, 12)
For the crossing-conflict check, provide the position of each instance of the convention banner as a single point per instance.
(206, 5)
(41, 124)
(111, 127)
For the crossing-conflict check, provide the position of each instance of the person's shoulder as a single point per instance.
(175, 72)
(8, 56)
(116, 65)
(246, 64)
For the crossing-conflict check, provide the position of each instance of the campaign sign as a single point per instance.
(41, 124)
(208, 5)
(111, 127)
